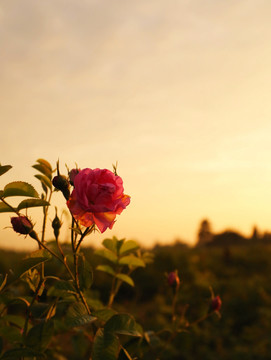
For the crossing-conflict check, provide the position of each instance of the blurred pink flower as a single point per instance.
(97, 198)
(216, 303)
(173, 279)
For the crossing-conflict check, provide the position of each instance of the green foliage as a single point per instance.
(4, 169)
(19, 188)
(66, 302)
(39, 336)
(29, 203)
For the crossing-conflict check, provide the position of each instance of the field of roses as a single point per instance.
(121, 301)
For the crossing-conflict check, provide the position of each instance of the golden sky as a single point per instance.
(178, 92)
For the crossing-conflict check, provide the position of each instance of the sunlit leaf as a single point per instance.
(123, 324)
(4, 169)
(105, 346)
(110, 244)
(20, 188)
(131, 261)
(29, 203)
(106, 268)
(4, 208)
(128, 246)
(107, 254)
(125, 278)
(43, 169)
(3, 281)
(126, 353)
(44, 180)
(45, 163)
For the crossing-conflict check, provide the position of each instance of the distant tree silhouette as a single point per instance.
(255, 234)
(205, 234)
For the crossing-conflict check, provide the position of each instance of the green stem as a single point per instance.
(64, 262)
(43, 230)
(41, 282)
(11, 207)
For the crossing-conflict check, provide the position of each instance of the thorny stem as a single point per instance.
(116, 283)
(45, 209)
(11, 207)
(75, 260)
(41, 282)
(57, 257)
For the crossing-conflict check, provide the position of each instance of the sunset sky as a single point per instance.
(177, 92)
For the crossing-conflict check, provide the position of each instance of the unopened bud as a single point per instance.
(56, 224)
(72, 175)
(22, 225)
(173, 279)
(215, 303)
(61, 183)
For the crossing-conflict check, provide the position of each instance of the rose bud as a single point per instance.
(215, 303)
(56, 225)
(72, 175)
(173, 279)
(22, 225)
(61, 183)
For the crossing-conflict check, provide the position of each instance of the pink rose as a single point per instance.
(97, 198)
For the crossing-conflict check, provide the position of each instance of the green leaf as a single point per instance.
(44, 180)
(4, 208)
(106, 268)
(44, 170)
(4, 169)
(33, 260)
(131, 261)
(20, 188)
(110, 244)
(107, 254)
(128, 246)
(39, 336)
(10, 333)
(15, 354)
(61, 288)
(85, 273)
(104, 314)
(15, 319)
(77, 316)
(125, 278)
(45, 163)
(29, 203)
(123, 324)
(148, 257)
(105, 346)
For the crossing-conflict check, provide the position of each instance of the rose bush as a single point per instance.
(97, 198)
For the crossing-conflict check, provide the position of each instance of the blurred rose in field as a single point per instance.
(216, 303)
(97, 198)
